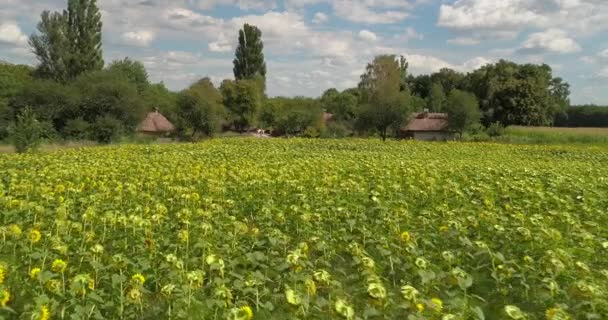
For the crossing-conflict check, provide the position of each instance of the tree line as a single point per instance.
(73, 94)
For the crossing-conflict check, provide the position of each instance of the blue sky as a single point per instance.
(312, 45)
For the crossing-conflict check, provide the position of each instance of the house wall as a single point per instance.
(432, 136)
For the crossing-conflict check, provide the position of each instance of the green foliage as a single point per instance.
(386, 106)
(109, 94)
(249, 56)
(199, 110)
(106, 129)
(275, 229)
(335, 130)
(134, 71)
(496, 129)
(583, 116)
(518, 94)
(463, 110)
(13, 79)
(77, 129)
(343, 106)
(69, 43)
(448, 78)
(49, 100)
(436, 100)
(243, 99)
(26, 132)
(296, 115)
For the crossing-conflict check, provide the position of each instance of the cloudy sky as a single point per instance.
(312, 45)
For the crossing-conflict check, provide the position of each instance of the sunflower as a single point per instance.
(138, 279)
(34, 273)
(59, 266)
(2, 273)
(5, 297)
(248, 313)
(43, 313)
(34, 236)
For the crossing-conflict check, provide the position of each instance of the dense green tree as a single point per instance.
(134, 71)
(52, 47)
(463, 110)
(420, 85)
(13, 78)
(342, 105)
(249, 56)
(448, 78)
(436, 99)
(243, 99)
(199, 110)
(515, 94)
(295, 116)
(50, 101)
(386, 106)
(26, 131)
(105, 93)
(69, 43)
(84, 34)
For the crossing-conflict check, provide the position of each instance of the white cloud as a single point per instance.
(11, 33)
(362, 12)
(222, 44)
(509, 17)
(552, 40)
(464, 41)
(140, 38)
(368, 36)
(241, 4)
(424, 64)
(320, 18)
(603, 73)
(411, 33)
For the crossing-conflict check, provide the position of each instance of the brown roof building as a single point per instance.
(155, 123)
(428, 126)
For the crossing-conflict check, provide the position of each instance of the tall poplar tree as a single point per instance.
(249, 56)
(68, 44)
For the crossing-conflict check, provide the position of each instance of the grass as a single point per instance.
(554, 135)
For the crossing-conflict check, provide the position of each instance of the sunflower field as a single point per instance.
(247, 229)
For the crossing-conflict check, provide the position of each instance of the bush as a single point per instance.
(495, 130)
(26, 132)
(106, 129)
(77, 129)
(311, 132)
(335, 130)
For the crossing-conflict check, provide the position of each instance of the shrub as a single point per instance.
(106, 129)
(335, 130)
(496, 129)
(77, 129)
(311, 132)
(26, 132)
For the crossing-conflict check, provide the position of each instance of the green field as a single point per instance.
(555, 135)
(305, 229)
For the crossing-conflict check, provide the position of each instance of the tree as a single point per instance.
(51, 47)
(26, 132)
(13, 78)
(386, 106)
(109, 95)
(463, 110)
(199, 110)
(134, 71)
(342, 105)
(514, 94)
(243, 99)
(295, 116)
(249, 56)
(69, 43)
(448, 78)
(436, 99)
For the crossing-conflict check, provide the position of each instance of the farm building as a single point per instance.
(155, 124)
(428, 127)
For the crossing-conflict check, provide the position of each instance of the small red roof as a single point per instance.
(425, 121)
